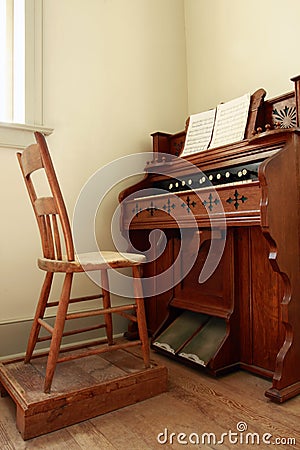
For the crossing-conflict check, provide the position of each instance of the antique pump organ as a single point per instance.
(246, 197)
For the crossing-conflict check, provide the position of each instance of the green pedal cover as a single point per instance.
(180, 331)
(203, 346)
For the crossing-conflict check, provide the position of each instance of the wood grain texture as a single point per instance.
(194, 403)
(81, 389)
(59, 256)
(255, 286)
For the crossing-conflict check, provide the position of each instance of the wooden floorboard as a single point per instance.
(194, 404)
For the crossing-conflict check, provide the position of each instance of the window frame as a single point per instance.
(18, 136)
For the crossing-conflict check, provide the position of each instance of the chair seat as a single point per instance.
(86, 262)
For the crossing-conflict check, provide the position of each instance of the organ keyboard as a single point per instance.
(246, 197)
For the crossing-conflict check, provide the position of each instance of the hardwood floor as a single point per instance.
(195, 404)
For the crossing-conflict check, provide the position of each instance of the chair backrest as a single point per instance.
(50, 211)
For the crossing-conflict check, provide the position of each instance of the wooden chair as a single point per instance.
(55, 231)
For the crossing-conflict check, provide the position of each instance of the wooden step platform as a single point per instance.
(81, 389)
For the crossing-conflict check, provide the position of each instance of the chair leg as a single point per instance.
(58, 331)
(141, 315)
(39, 314)
(107, 304)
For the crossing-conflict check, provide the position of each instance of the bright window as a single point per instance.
(21, 61)
(21, 76)
(3, 62)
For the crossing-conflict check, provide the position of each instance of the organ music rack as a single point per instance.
(246, 315)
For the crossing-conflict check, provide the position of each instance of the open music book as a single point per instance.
(220, 126)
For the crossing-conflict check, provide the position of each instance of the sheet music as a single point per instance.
(199, 132)
(231, 121)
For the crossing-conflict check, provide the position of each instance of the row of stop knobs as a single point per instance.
(211, 177)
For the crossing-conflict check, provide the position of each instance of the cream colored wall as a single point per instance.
(114, 71)
(237, 46)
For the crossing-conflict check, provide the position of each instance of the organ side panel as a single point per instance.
(258, 294)
(280, 217)
(266, 294)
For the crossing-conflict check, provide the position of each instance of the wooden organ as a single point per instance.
(246, 315)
